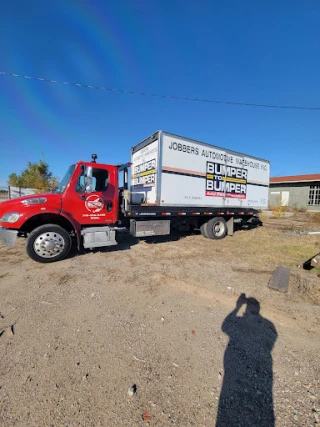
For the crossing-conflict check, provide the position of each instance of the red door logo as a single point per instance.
(94, 204)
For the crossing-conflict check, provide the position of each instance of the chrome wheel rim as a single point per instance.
(49, 244)
(218, 228)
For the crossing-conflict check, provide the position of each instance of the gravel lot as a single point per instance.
(156, 333)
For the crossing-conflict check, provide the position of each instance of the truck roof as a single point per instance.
(158, 133)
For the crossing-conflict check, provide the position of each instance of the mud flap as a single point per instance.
(230, 226)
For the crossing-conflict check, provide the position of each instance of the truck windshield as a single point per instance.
(65, 180)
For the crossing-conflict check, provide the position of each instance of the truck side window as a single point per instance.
(100, 180)
(80, 184)
(101, 177)
(80, 188)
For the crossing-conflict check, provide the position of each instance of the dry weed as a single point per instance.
(315, 217)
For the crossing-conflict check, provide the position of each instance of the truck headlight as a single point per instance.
(10, 217)
(34, 201)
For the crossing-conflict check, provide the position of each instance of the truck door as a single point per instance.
(99, 207)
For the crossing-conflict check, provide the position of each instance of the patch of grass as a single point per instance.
(267, 248)
(315, 217)
(299, 210)
(295, 251)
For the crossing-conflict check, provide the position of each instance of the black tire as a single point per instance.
(48, 243)
(216, 228)
(203, 230)
(254, 221)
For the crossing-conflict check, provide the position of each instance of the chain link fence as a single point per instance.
(4, 193)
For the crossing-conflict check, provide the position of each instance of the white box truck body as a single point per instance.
(172, 171)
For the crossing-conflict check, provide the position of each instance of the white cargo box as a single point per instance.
(170, 170)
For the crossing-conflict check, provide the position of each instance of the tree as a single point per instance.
(14, 180)
(36, 175)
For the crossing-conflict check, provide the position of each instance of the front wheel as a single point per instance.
(216, 228)
(48, 243)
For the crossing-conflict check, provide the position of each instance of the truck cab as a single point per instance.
(83, 206)
(89, 192)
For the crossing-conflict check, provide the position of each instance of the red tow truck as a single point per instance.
(176, 183)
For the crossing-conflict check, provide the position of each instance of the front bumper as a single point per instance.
(8, 237)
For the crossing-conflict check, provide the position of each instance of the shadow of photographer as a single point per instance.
(246, 397)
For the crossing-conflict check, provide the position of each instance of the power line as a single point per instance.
(181, 98)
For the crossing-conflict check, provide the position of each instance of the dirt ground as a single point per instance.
(155, 333)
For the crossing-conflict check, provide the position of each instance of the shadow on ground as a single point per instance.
(246, 398)
(126, 241)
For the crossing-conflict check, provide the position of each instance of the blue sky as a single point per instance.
(244, 51)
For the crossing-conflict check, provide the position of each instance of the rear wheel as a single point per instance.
(48, 243)
(216, 228)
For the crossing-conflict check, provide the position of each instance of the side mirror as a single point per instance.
(88, 179)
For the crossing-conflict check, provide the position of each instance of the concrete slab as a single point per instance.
(280, 279)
